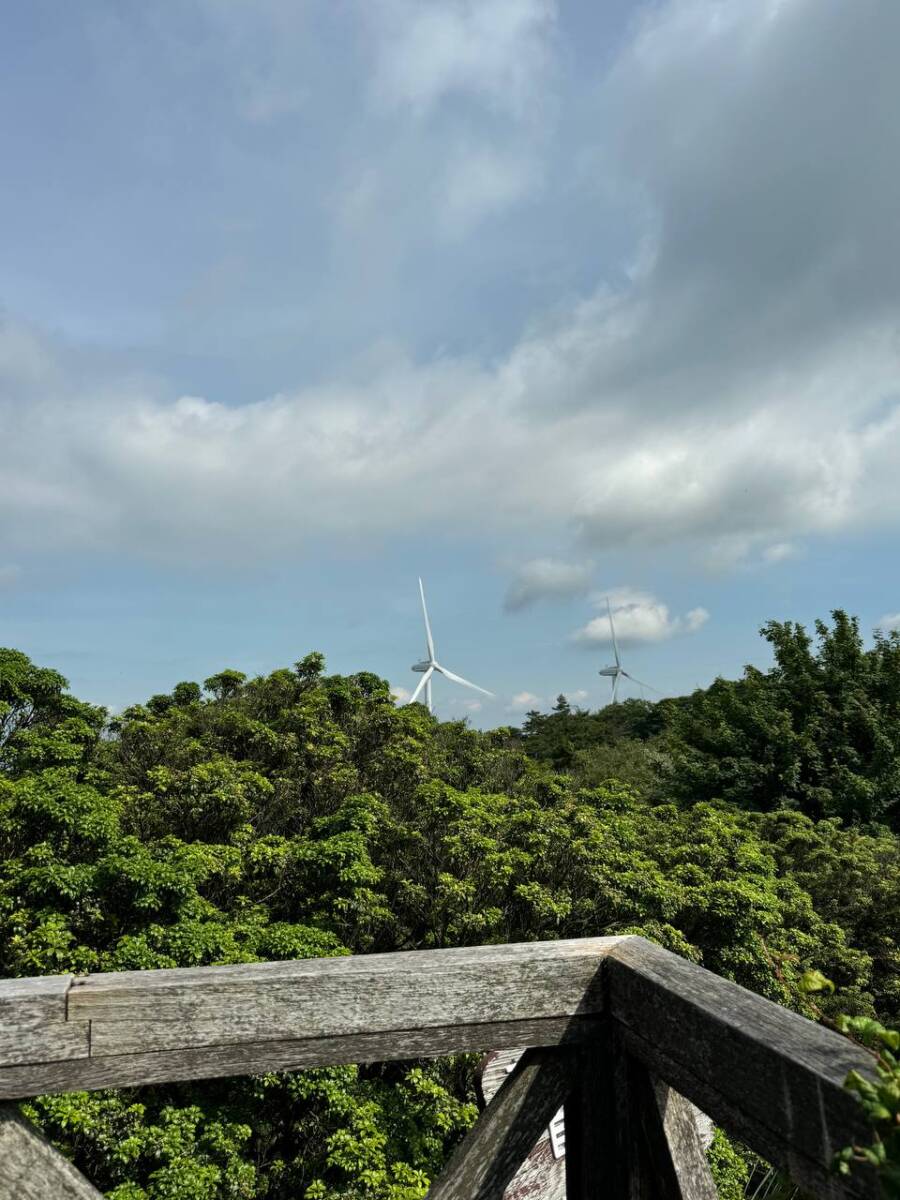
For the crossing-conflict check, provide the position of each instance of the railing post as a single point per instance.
(595, 1155)
(628, 1135)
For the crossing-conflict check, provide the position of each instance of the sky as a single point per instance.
(546, 301)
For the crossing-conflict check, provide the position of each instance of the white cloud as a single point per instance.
(577, 697)
(889, 622)
(745, 552)
(400, 694)
(473, 706)
(498, 50)
(523, 702)
(733, 393)
(481, 180)
(547, 578)
(638, 617)
(779, 552)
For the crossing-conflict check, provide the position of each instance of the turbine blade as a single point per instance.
(464, 682)
(616, 686)
(612, 630)
(640, 683)
(422, 682)
(428, 704)
(429, 641)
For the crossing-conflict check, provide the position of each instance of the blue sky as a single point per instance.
(547, 302)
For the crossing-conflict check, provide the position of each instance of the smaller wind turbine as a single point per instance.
(617, 672)
(429, 665)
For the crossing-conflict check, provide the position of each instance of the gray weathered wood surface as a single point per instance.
(594, 1170)
(491, 1153)
(156, 1026)
(542, 1175)
(139, 1011)
(32, 1169)
(767, 1075)
(129, 1070)
(770, 1077)
(33, 1025)
(675, 1140)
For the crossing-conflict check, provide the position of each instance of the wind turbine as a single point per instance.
(617, 672)
(428, 666)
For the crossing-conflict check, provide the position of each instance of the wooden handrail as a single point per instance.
(133, 1027)
(630, 1021)
(772, 1078)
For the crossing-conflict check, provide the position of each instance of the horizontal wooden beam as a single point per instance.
(211, 1062)
(770, 1077)
(767, 1075)
(154, 1026)
(34, 1025)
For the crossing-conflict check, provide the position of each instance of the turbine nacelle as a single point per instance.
(421, 667)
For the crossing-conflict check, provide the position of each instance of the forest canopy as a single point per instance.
(751, 826)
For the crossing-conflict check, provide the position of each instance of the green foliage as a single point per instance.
(731, 1167)
(571, 739)
(880, 1099)
(819, 732)
(327, 1133)
(40, 725)
(303, 814)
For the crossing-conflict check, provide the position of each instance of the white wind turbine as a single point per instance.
(617, 672)
(429, 665)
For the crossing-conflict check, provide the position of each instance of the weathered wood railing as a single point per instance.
(619, 1031)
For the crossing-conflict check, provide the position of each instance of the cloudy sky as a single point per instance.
(547, 301)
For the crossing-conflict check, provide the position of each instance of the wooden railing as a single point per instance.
(620, 1032)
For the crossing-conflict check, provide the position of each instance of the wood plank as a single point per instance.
(680, 1146)
(139, 1011)
(670, 1163)
(210, 1062)
(33, 1025)
(767, 1075)
(494, 1149)
(543, 1171)
(594, 1163)
(632, 1137)
(32, 1169)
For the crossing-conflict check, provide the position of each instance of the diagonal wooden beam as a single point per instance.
(488, 1158)
(32, 1169)
(673, 1165)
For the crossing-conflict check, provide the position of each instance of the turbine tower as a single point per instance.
(617, 672)
(429, 665)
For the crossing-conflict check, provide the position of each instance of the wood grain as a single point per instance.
(494, 1149)
(139, 1011)
(595, 1169)
(33, 1026)
(134, 1070)
(767, 1075)
(32, 1169)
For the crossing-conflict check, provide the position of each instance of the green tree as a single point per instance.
(818, 732)
(301, 813)
(40, 724)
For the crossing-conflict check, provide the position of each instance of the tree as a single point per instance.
(301, 813)
(40, 724)
(818, 732)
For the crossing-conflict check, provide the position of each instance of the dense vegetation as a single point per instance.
(750, 827)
